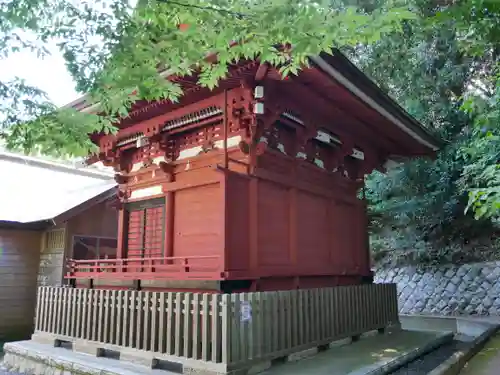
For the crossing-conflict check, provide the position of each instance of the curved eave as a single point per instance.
(339, 68)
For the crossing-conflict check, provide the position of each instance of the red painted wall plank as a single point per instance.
(198, 222)
(273, 219)
(237, 210)
(313, 230)
(329, 238)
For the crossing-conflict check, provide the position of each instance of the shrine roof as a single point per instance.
(341, 69)
(36, 190)
(342, 73)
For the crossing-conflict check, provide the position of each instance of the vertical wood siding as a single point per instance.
(302, 225)
(19, 259)
(198, 222)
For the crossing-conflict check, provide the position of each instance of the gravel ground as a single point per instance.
(425, 364)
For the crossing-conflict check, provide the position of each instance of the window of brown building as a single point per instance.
(87, 248)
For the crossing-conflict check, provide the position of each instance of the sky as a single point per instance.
(48, 74)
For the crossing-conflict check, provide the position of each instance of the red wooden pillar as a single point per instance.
(169, 221)
(293, 225)
(253, 222)
(120, 251)
(120, 240)
(225, 188)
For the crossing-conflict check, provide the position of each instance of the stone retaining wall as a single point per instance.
(472, 289)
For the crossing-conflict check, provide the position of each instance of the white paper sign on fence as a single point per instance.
(245, 311)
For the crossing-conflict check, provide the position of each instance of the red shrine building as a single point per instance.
(252, 186)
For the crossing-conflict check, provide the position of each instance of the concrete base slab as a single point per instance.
(135, 356)
(41, 359)
(375, 355)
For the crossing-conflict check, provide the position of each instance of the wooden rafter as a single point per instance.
(326, 118)
(331, 116)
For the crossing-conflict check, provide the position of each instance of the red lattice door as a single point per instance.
(146, 232)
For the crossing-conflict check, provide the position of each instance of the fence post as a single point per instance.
(216, 331)
(235, 328)
(226, 329)
(196, 326)
(162, 328)
(170, 323)
(39, 309)
(154, 323)
(232, 329)
(188, 325)
(205, 326)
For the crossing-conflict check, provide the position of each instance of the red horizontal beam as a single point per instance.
(198, 275)
(301, 271)
(136, 267)
(145, 268)
(121, 260)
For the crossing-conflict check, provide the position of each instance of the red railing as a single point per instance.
(193, 267)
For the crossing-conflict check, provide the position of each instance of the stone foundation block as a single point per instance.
(82, 346)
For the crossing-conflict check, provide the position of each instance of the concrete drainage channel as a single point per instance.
(470, 336)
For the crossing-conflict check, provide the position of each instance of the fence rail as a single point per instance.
(233, 329)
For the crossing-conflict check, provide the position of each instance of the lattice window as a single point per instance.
(146, 229)
(54, 239)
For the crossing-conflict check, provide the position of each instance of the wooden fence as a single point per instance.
(232, 329)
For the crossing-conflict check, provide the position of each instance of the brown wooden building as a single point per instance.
(253, 186)
(67, 213)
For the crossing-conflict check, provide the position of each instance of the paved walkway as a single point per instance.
(358, 358)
